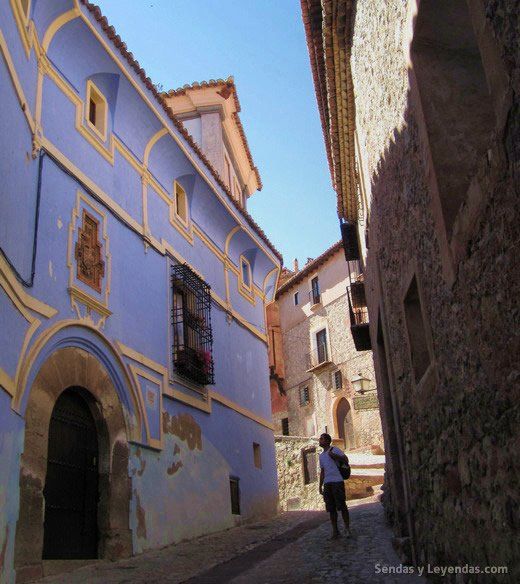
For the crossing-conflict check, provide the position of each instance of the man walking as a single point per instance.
(332, 485)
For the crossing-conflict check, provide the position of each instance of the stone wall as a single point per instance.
(456, 430)
(294, 494)
(319, 415)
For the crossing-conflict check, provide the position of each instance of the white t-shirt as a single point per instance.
(329, 466)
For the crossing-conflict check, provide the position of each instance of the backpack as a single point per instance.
(344, 469)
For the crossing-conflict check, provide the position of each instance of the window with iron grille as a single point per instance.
(310, 474)
(235, 495)
(338, 380)
(191, 321)
(285, 426)
(304, 396)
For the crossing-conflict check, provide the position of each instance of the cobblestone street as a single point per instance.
(293, 548)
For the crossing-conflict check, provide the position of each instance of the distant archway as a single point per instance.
(344, 423)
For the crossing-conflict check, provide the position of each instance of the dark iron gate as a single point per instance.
(71, 486)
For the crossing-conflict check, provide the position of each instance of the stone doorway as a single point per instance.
(345, 424)
(77, 368)
(70, 528)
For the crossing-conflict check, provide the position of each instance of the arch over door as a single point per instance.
(71, 486)
(345, 424)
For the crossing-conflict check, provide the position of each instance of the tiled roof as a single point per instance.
(328, 29)
(229, 87)
(309, 268)
(134, 64)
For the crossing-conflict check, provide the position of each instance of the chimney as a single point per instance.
(295, 265)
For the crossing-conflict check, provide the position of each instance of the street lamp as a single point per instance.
(360, 383)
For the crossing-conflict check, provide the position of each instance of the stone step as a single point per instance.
(366, 461)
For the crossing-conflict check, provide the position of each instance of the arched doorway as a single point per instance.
(68, 370)
(70, 529)
(345, 424)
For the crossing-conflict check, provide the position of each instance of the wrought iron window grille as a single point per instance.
(192, 349)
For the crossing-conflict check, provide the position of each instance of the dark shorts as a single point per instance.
(334, 496)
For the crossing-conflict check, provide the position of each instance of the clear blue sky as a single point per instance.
(262, 44)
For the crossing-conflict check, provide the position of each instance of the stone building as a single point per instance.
(319, 359)
(134, 398)
(419, 103)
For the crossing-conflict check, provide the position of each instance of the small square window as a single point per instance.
(245, 273)
(181, 203)
(96, 110)
(257, 455)
(305, 398)
(338, 380)
(296, 299)
(285, 426)
(234, 488)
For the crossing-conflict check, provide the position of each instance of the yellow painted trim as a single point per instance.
(16, 81)
(107, 201)
(24, 25)
(76, 293)
(25, 365)
(202, 236)
(19, 296)
(102, 134)
(175, 394)
(55, 26)
(243, 259)
(140, 358)
(82, 125)
(244, 411)
(153, 442)
(7, 382)
(170, 391)
(108, 154)
(178, 216)
(229, 236)
(203, 173)
(163, 245)
(151, 143)
(90, 302)
(266, 279)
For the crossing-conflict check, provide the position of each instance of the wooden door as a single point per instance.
(71, 486)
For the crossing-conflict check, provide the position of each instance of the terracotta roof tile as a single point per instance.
(229, 85)
(309, 267)
(328, 30)
(134, 64)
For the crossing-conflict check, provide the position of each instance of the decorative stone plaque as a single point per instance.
(90, 266)
(366, 402)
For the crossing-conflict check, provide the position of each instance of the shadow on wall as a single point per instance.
(443, 226)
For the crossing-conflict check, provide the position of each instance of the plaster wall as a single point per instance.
(182, 443)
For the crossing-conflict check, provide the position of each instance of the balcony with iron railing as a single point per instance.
(359, 321)
(314, 297)
(319, 357)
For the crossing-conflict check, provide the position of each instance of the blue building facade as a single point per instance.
(134, 391)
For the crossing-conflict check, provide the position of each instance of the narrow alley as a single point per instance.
(293, 548)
